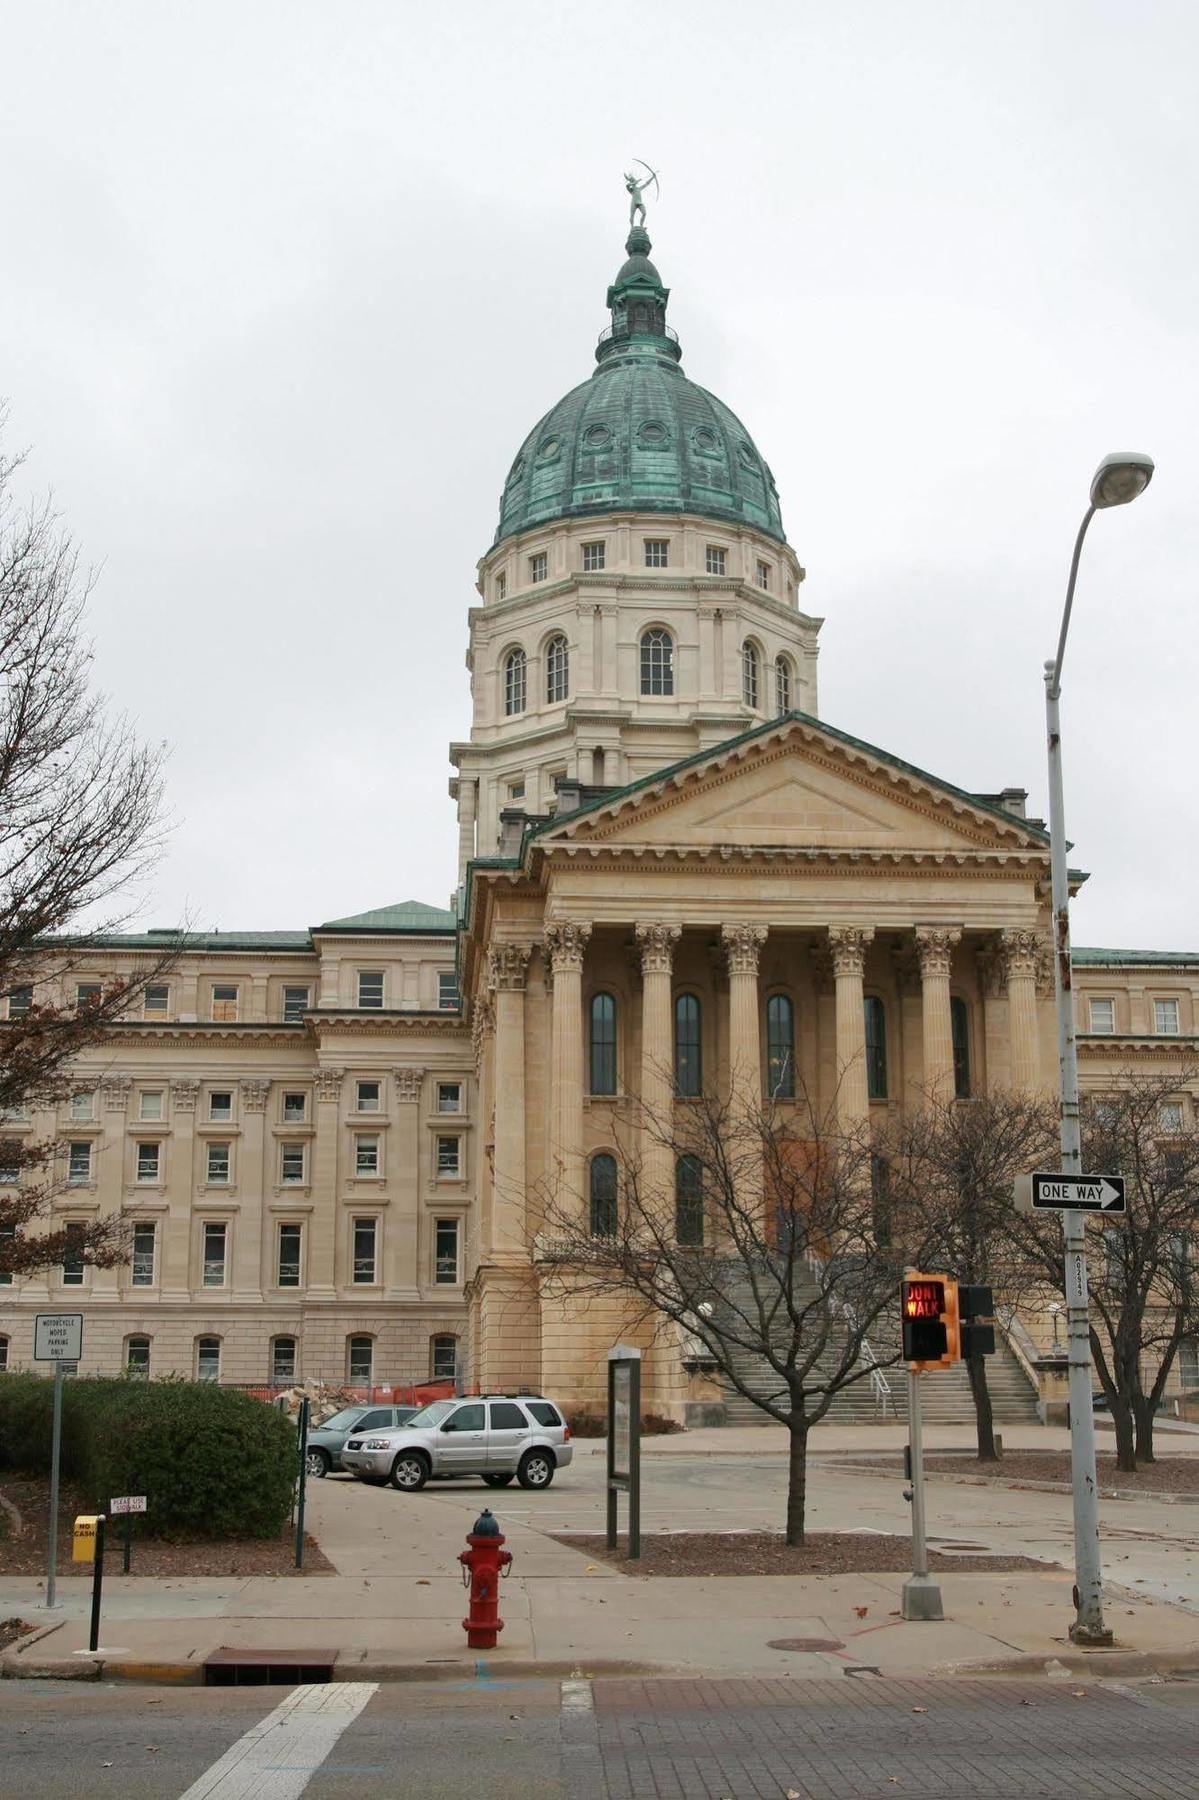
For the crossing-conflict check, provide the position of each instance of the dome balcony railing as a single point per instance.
(609, 332)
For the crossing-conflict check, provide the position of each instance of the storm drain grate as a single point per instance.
(230, 1667)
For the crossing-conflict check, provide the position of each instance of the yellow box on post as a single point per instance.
(83, 1548)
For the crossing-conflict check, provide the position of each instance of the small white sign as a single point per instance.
(57, 1337)
(1059, 1192)
(128, 1503)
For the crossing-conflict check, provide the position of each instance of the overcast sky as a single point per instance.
(285, 285)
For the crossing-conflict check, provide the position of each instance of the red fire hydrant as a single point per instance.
(482, 1566)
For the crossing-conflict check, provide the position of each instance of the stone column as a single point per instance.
(566, 942)
(507, 967)
(468, 806)
(482, 1035)
(657, 944)
(175, 1226)
(848, 945)
(742, 949)
(1018, 950)
(402, 1261)
(252, 1240)
(934, 948)
(322, 1176)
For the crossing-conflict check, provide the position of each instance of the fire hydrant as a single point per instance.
(482, 1566)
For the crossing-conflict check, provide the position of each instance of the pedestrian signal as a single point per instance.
(931, 1333)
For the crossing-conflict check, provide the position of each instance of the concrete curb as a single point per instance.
(1013, 1483)
(191, 1674)
(1092, 1664)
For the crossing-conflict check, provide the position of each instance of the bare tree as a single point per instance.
(753, 1236)
(79, 809)
(1142, 1275)
(951, 1169)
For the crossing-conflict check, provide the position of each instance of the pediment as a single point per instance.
(797, 787)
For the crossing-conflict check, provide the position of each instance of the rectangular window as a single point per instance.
(368, 1096)
(714, 560)
(290, 1240)
(214, 1254)
(365, 1234)
(79, 1164)
(208, 1359)
(220, 1105)
(149, 1162)
(366, 1155)
(370, 987)
(446, 1264)
(137, 1358)
(291, 1172)
(295, 1004)
(143, 1255)
(3, 1354)
(10, 1163)
(83, 1108)
(516, 790)
(501, 587)
(20, 999)
(593, 557)
(1103, 1016)
(7, 1234)
(224, 1002)
(283, 1360)
(444, 1360)
(763, 574)
(449, 1096)
(218, 1164)
(149, 1104)
(656, 550)
(72, 1257)
(360, 1361)
(1171, 1115)
(449, 1158)
(447, 991)
(295, 1108)
(1165, 1018)
(156, 1001)
(87, 993)
(538, 566)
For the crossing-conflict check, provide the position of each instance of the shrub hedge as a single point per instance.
(212, 1462)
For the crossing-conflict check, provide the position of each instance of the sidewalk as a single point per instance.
(394, 1611)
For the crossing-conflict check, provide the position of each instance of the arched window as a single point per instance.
(750, 673)
(557, 669)
(137, 1358)
(602, 1046)
(780, 1048)
(443, 1357)
(657, 661)
(959, 1022)
(515, 682)
(876, 1048)
(688, 1049)
(603, 1195)
(782, 685)
(283, 1359)
(360, 1360)
(208, 1359)
(689, 1200)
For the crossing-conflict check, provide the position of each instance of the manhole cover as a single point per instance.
(805, 1644)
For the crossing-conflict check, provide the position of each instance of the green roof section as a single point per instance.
(798, 718)
(1087, 958)
(638, 435)
(406, 915)
(161, 937)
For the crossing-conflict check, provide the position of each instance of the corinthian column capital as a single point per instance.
(743, 947)
(1019, 951)
(566, 941)
(657, 944)
(506, 965)
(934, 947)
(848, 945)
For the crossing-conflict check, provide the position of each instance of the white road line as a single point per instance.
(277, 1758)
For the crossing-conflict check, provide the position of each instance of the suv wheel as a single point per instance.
(503, 1480)
(536, 1469)
(409, 1472)
(316, 1462)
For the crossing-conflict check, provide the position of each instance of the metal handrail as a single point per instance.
(880, 1387)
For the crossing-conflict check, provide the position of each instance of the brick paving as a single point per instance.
(861, 1738)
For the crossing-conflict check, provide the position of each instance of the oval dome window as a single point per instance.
(597, 437)
(653, 434)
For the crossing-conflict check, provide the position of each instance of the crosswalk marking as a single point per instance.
(277, 1758)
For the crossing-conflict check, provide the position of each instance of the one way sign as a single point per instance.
(1078, 1193)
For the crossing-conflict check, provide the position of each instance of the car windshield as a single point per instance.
(432, 1414)
(341, 1421)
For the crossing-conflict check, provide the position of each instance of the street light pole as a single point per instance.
(1119, 479)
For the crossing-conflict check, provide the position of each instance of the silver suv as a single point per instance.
(498, 1436)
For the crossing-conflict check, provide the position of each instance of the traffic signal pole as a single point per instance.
(921, 1594)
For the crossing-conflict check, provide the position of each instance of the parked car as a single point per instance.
(500, 1437)
(325, 1441)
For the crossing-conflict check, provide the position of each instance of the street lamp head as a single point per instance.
(1119, 478)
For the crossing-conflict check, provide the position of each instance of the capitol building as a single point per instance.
(334, 1143)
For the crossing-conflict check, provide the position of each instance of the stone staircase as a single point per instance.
(884, 1398)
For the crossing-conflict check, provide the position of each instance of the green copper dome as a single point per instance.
(638, 436)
